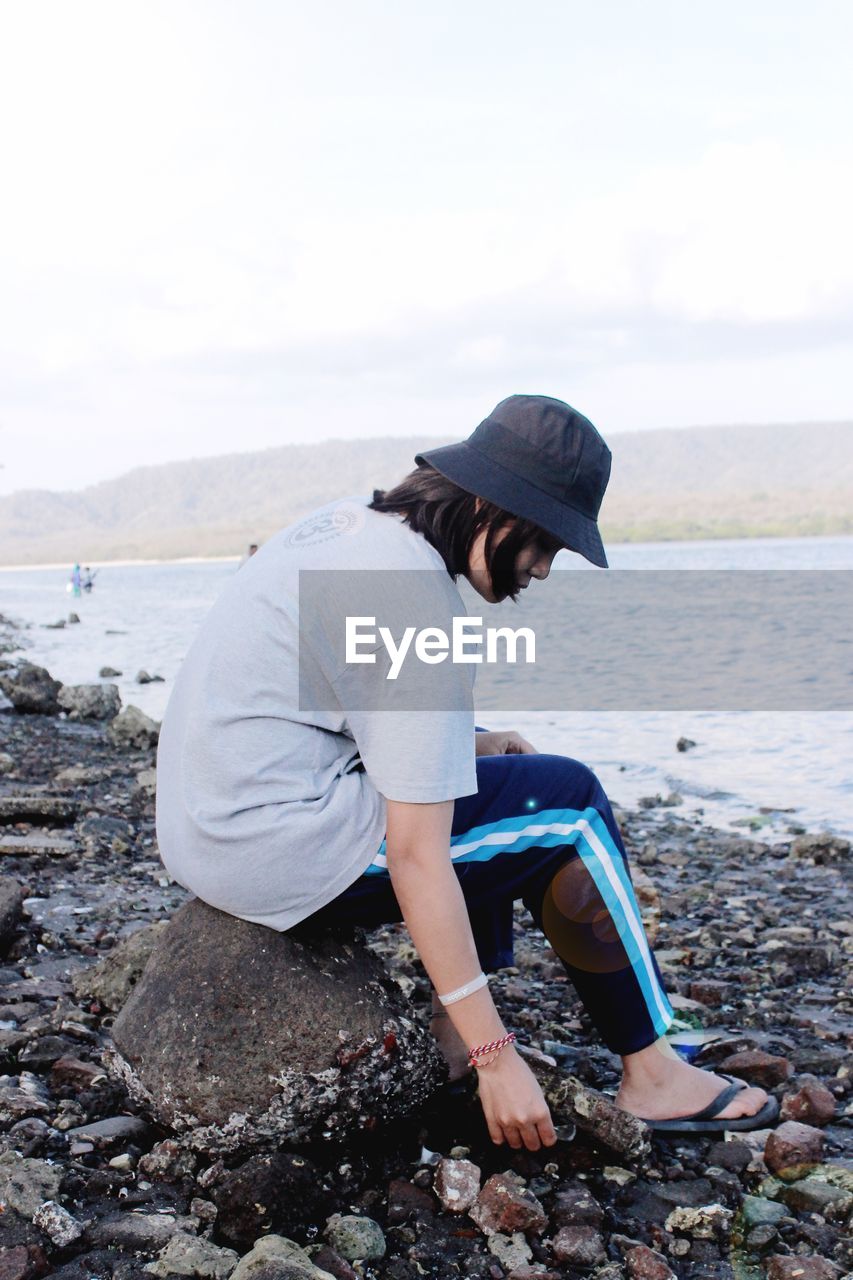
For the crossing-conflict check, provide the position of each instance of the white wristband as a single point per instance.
(461, 992)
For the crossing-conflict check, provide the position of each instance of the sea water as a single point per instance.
(796, 767)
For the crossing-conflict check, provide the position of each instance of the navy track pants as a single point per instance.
(540, 828)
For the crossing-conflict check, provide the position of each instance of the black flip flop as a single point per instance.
(709, 1120)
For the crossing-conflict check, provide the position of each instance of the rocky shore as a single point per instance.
(754, 941)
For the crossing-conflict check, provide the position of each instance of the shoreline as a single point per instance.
(722, 540)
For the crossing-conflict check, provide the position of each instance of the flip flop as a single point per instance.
(709, 1120)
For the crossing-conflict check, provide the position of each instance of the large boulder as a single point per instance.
(90, 701)
(31, 689)
(238, 1037)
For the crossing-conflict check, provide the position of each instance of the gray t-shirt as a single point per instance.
(275, 756)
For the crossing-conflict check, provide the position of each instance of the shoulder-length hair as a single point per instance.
(449, 519)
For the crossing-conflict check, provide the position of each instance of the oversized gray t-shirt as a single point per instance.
(269, 809)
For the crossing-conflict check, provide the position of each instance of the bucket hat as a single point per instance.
(539, 459)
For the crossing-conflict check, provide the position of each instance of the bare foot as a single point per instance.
(451, 1045)
(657, 1085)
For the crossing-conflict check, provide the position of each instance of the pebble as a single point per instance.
(792, 1148)
(511, 1251)
(812, 1104)
(801, 1268)
(763, 1069)
(506, 1205)
(705, 1222)
(355, 1238)
(644, 1263)
(580, 1246)
(57, 1223)
(576, 1206)
(756, 1211)
(457, 1184)
(187, 1255)
(25, 1184)
(812, 1195)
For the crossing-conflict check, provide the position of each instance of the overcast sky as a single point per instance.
(232, 224)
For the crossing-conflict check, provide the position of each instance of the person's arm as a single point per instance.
(433, 907)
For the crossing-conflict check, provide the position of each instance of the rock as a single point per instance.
(168, 1161)
(23, 1262)
(759, 1212)
(730, 1155)
(406, 1201)
(77, 775)
(325, 1054)
(759, 1238)
(108, 673)
(812, 1104)
(73, 618)
(18, 1103)
(46, 810)
(684, 744)
(792, 1149)
(31, 689)
(276, 1258)
(142, 677)
(133, 730)
(90, 701)
(822, 848)
(576, 1206)
(812, 1195)
(457, 1184)
(74, 1072)
(705, 1222)
(25, 1184)
(279, 1192)
(12, 896)
(186, 1255)
(146, 784)
(593, 1112)
(579, 1246)
(355, 1238)
(327, 1260)
(112, 979)
(644, 1263)
(709, 992)
(512, 1251)
(106, 1133)
(801, 1268)
(763, 1069)
(35, 843)
(138, 1232)
(7, 763)
(58, 1224)
(506, 1205)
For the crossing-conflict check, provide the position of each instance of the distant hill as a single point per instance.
(694, 482)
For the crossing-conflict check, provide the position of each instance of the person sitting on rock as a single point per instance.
(297, 783)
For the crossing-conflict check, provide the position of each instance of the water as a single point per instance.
(145, 615)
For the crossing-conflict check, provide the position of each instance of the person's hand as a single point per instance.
(502, 743)
(513, 1104)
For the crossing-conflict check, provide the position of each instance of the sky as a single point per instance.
(234, 225)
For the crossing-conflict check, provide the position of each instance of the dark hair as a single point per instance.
(449, 519)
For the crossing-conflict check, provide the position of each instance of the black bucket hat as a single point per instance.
(538, 459)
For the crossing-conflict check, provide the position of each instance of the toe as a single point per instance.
(747, 1103)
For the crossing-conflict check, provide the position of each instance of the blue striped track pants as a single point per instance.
(540, 828)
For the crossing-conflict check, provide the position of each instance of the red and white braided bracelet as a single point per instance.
(494, 1047)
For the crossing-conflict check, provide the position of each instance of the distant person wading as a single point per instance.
(278, 815)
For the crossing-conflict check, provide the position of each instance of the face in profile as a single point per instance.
(533, 560)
